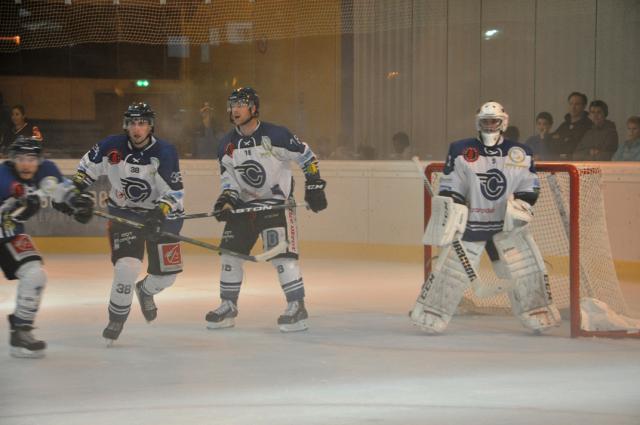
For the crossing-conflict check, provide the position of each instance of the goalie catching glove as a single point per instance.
(448, 221)
(314, 194)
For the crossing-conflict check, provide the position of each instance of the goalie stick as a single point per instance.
(479, 289)
(254, 209)
(267, 255)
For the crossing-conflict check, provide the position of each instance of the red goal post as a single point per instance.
(570, 203)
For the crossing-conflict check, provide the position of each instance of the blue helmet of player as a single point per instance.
(244, 96)
(139, 111)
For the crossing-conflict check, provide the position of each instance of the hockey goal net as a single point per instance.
(570, 229)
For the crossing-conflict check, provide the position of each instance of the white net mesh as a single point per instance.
(597, 273)
(57, 23)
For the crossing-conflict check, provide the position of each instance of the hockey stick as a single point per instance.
(479, 289)
(267, 255)
(257, 208)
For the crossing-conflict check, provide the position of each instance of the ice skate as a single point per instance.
(22, 342)
(148, 306)
(223, 316)
(112, 331)
(294, 317)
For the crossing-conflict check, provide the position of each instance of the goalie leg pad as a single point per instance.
(443, 289)
(530, 294)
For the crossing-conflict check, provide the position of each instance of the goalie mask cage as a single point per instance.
(570, 229)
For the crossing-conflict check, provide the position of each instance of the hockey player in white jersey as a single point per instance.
(146, 186)
(485, 201)
(255, 168)
(26, 178)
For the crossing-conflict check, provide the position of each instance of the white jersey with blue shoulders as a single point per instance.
(484, 178)
(257, 167)
(139, 178)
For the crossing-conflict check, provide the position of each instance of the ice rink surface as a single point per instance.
(361, 361)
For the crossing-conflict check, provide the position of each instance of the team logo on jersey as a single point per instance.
(253, 173)
(137, 190)
(171, 257)
(517, 154)
(493, 184)
(471, 154)
(114, 156)
(22, 247)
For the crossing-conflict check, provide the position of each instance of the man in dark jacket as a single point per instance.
(601, 141)
(569, 134)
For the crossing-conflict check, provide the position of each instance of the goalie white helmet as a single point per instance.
(491, 122)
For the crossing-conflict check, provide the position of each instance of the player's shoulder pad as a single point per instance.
(116, 142)
(281, 137)
(48, 168)
(225, 143)
(459, 147)
(507, 144)
(164, 149)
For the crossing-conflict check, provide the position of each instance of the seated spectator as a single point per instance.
(401, 146)
(601, 141)
(630, 150)
(512, 133)
(20, 127)
(569, 134)
(539, 142)
(366, 152)
(207, 134)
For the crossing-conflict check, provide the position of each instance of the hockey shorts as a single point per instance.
(241, 232)
(15, 252)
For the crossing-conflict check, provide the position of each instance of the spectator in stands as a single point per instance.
(601, 141)
(630, 150)
(366, 152)
(207, 134)
(401, 146)
(540, 141)
(569, 134)
(20, 126)
(512, 133)
(345, 149)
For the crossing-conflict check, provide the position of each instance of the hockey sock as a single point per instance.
(154, 284)
(230, 278)
(290, 278)
(126, 271)
(32, 280)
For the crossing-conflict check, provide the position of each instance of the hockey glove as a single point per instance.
(227, 201)
(78, 204)
(153, 222)
(8, 225)
(314, 194)
(82, 205)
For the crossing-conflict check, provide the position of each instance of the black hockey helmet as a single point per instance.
(139, 111)
(245, 94)
(25, 146)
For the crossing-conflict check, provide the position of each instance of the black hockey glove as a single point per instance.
(153, 222)
(227, 201)
(82, 205)
(26, 207)
(314, 194)
(78, 204)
